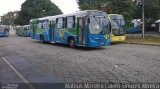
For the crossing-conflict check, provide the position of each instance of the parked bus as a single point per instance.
(18, 30)
(88, 28)
(23, 30)
(4, 31)
(117, 28)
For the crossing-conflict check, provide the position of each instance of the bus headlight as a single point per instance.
(106, 37)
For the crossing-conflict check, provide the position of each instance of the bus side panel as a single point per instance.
(68, 34)
(36, 33)
(56, 35)
(62, 35)
(31, 32)
(37, 36)
(2, 34)
(46, 35)
(31, 35)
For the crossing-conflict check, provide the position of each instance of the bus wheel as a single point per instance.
(71, 43)
(42, 39)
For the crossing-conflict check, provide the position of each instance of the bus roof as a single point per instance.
(115, 14)
(78, 14)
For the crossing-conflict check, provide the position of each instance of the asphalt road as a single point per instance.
(55, 63)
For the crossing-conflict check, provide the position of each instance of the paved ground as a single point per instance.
(48, 63)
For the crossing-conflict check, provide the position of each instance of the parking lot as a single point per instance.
(55, 63)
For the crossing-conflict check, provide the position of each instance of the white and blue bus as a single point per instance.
(23, 31)
(4, 31)
(88, 28)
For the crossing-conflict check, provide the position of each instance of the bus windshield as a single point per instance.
(98, 25)
(117, 24)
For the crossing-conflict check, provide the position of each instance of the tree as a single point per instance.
(152, 11)
(31, 9)
(124, 7)
(87, 4)
(9, 18)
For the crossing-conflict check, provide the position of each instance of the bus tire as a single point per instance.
(42, 39)
(72, 43)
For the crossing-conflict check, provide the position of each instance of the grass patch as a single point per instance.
(145, 41)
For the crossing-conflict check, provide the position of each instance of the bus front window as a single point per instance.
(117, 26)
(98, 25)
(104, 22)
(94, 26)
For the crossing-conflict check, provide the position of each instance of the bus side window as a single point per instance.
(35, 26)
(45, 24)
(40, 25)
(70, 22)
(59, 23)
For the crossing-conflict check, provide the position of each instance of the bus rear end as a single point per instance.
(26, 30)
(4, 31)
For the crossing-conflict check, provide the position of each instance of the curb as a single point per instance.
(143, 44)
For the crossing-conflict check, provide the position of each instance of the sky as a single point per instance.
(66, 6)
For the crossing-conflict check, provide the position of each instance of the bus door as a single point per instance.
(52, 29)
(81, 30)
(34, 30)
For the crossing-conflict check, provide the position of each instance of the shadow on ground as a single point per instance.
(76, 48)
(117, 43)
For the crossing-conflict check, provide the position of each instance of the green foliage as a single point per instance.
(9, 18)
(91, 4)
(128, 8)
(152, 11)
(31, 9)
(124, 7)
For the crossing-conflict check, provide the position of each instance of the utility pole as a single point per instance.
(99, 6)
(143, 20)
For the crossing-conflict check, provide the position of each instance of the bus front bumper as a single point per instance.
(118, 38)
(2, 34)
(99, 44)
